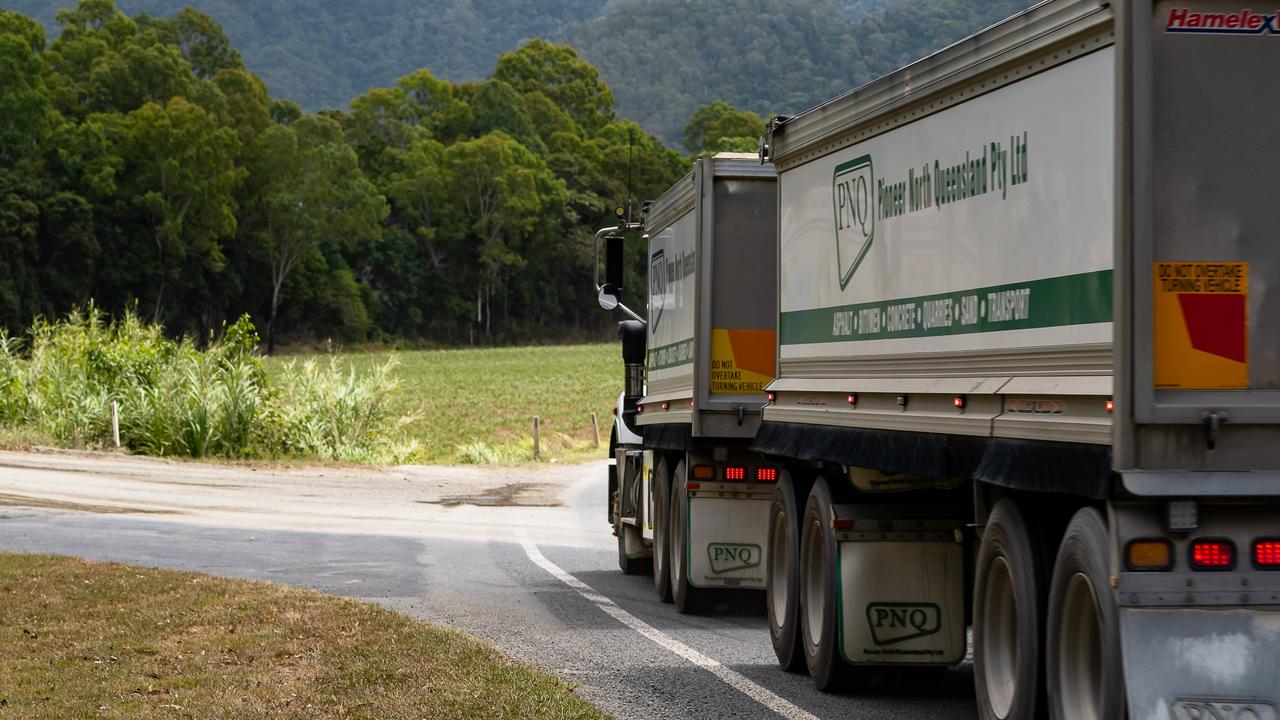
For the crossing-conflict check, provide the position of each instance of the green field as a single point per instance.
(478, 405)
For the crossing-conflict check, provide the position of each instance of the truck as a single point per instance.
(1027, 394)
(687, 496)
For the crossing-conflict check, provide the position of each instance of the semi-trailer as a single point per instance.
(1028, 380)
(685, 494)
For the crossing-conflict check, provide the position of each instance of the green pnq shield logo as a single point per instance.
(658, 285)
(727, 557)
(853, 199)
(898, 622)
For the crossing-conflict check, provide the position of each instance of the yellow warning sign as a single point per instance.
(742, 361)
(1201, 325)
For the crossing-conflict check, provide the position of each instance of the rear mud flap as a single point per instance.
(1201, 664)
(727, 537)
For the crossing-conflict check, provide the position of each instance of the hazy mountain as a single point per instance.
(663, 58)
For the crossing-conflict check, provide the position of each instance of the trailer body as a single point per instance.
(711, 349)
(1025, 301)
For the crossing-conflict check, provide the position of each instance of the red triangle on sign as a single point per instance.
(1216, 324)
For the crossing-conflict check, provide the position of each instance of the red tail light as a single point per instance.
(1266, 554)
(770, 397)
(959, 402)
(666, 406)
(767, 474)
(853, 399)
(1213, 555)
(841, 524)
(735, 472)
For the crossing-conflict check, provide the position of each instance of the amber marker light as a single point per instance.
(1149, 554)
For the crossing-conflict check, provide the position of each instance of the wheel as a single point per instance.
(686, 597)
(819, 606)
(782, 574)
(661, 538)
(1083, 670)
(1008, 615)
(629, 545)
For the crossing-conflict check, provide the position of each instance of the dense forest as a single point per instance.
(142, 165)
(663, 58)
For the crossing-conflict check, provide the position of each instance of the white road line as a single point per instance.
(738, 681)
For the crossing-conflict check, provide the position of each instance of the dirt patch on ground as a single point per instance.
(519, 494)
(7, 499)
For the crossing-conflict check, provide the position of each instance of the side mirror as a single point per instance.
(607, 299)
(613, 263)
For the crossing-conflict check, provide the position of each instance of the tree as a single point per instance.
(201, 41)
(557, 72)
(718, 126)
(313, 196)
(180, 178)
(502, 189)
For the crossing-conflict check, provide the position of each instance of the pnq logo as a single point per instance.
(898, 622)
(727, 557)
(658, 285)
(1238, 22)
(852, 198)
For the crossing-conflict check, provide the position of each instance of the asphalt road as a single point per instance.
(539, 581)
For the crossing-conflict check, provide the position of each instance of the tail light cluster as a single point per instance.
(1203, 554)
(1266, 554)
(1213, 555)
(736, 473)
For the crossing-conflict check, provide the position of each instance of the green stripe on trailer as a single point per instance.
(673, 355)
(1080, 299)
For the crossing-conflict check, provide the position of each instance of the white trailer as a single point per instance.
(687, 496)
(1028, 372)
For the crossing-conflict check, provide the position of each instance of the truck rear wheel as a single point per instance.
(661, 538)
(686, 597)
(1084, 670)
(782, 576)
(1008, 612)
(819, 578)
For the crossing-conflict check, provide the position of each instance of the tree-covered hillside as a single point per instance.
(322, 53)
(663, 58)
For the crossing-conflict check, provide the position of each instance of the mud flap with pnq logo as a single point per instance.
(1201, 663)
(901, 602)
(727, 538)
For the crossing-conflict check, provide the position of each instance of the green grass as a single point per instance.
(477, 405)
(100, 640)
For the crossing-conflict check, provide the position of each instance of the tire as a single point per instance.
(1083, 668)
(687, 598)
(629, 540)
(661, 538)
(1008, 617)
(819, 580)
(782, 572)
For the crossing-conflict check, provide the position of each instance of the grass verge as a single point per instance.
(97, 640)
